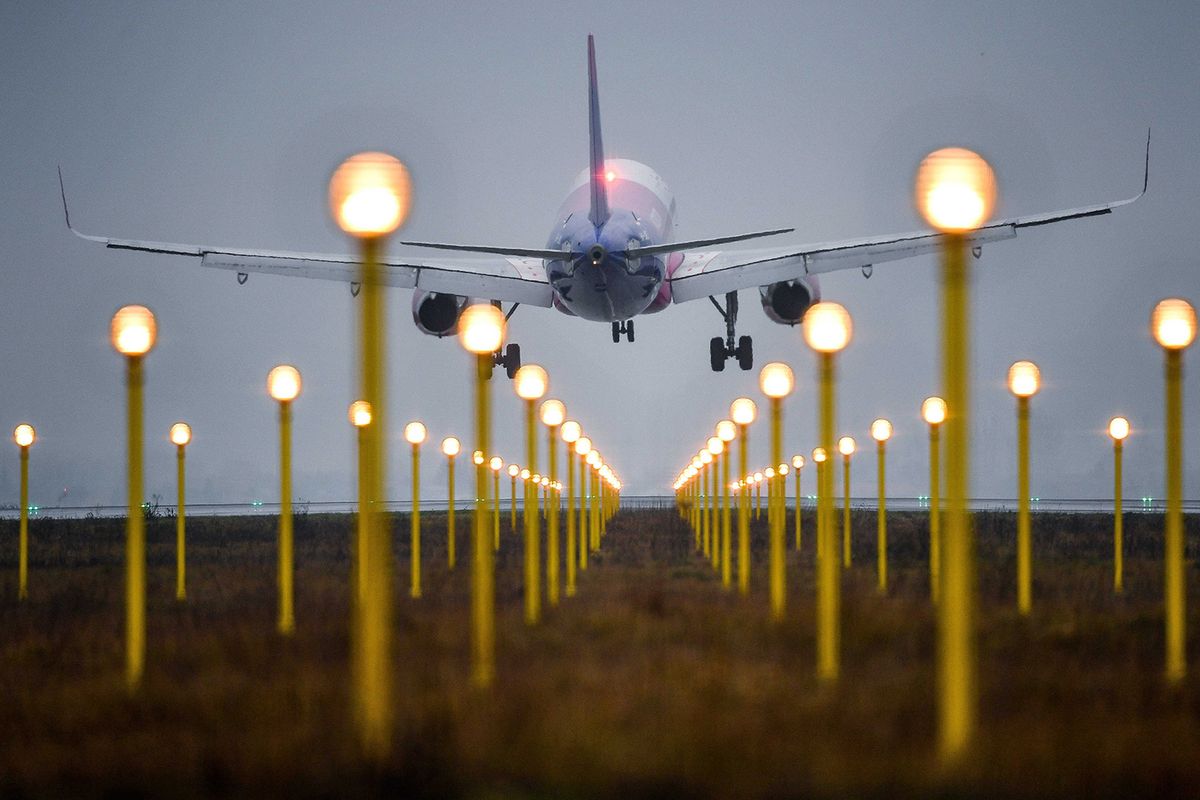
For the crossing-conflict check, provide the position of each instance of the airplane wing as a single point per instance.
(705, 274)
(509, 279)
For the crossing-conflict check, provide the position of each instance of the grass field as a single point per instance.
(653, 681)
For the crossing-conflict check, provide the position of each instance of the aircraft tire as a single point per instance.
(745, 353)
(716, 354)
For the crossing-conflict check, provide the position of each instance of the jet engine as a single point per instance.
(785, 302)
(437, 314)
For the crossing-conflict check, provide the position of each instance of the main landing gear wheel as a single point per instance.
(720, 350)
(510, 360)
(619, 328)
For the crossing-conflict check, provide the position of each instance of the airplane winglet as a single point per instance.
(1146, 175)
(67, 212)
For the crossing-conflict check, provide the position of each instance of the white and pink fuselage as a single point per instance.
(604, 286)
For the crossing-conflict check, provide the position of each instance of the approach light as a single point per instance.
(827, 327)
(705, 457)
(726, 430)
(571, 431)
(496, 463)
(1024, 379)
(477, 458)
(846, 445)
(776, 380)
(818, 455)
(360, 413)
(956, 190)
(743, 411)
(181, 433)
(525, 475)
(451, 446)
(933, 410)
(513, 471)
(283, 383)
(531, 382)
(797, 462)
(1118, 428)
(583, 446)
(481, 328)
(553, 413)
(715, 445)
(133, 330)
(370, 194)
(881, 430)
(24, 435)
(1174, 323)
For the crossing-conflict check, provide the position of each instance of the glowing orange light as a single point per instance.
(481, 328)
(451, 446)
(133, 330)
(24, 435)
(181, 433)
(1174, 323)
(370, 194)
(360, 413)
(283, 383)
(881, 430)
(1118, 428)
(610, 176)
(956, 190)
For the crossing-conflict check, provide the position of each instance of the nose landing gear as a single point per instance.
(619, 328)
(720, 350)
(509, 358)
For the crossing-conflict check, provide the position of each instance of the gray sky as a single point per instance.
(219, 123)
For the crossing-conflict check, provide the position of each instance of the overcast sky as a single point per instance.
(219, 124)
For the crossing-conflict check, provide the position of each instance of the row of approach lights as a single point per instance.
(955, 191)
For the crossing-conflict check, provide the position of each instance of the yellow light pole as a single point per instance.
(717, 448)
(1024, 379)
(827, 330)
(846, 448)
(451, 447)
(955, 191)
(553, 414)
(570, 432)
(414, 434)
(881, 431)
(283, 384)
(933, 411)
(797, 467)
(481, 333)
(1118, 430)
(24, 435)
(526, 476)
(360, 417)
(594, 461)
(531, 383)
(819, 457)
(776, 380)
(583, 447)
(726, 432)
(514, 472)
(181, 434)
(133, 331)
(758, 479)
(369, 197)
(496, 464)
(1174, 326)
(706, 480)
(743, 412)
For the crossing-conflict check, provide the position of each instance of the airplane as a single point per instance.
(611, 257)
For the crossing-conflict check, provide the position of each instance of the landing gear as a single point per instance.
(619, 328)
(719, 350)
(510, 359)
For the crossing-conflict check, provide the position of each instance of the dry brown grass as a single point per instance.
(653, 681)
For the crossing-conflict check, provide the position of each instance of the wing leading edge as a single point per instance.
(703, 275)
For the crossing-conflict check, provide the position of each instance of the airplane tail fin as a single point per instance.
(598, 212)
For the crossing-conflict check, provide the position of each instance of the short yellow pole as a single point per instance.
(512, 507)
(846, 556)
(1118, 521)
(881, 519)
(552, 566)
(799, 503)
(584, 533)
(935, 513)
(415, 524)
(778, 574)
(820, 494)
(533, 598)
(287, 619)
(1024, 544)
(364, 515)
(496, 508)
(743, 514)
(451, 537)
(1174, 583)
(571, 557)
(180, 560)
(135, 534)
(23, 546)
(726, 567)
(595, 482)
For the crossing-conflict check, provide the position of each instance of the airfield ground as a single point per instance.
(652, 682)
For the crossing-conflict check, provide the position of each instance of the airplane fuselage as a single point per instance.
(603, 285)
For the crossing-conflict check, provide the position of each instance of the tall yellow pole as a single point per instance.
(1118, 522)
(415, 524)
(935, 512)
(726, 567)
(23, 546)
(1174, 582)
(881, 519)
(135, 534)
(496, 509)
(451, 537)
(594, 478)
(778, 575)
(512, 507)
(846, 556)
(552, 545)
(533, 599)
(287, 619)
(483, 592)
(820, 494)
(1024, 545)
(714, 515)
(956, 671)
(743, 514)
(828, 576)
(758, 499)
(180, 560)
(706, 484)
(584, 494)
(364, 515)
(571, 557)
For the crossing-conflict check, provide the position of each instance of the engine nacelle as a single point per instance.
(785, 302)
(437, 314)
